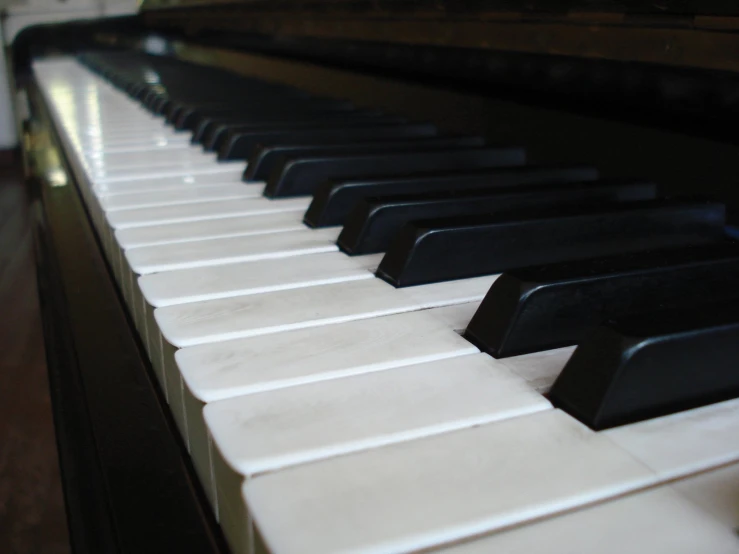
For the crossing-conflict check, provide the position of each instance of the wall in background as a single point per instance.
(19, 15)
(31, 12)
(8, 138)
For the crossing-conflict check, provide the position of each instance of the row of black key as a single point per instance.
(583, 259)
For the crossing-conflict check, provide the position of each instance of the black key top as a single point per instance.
(375, 221)
(157, 103)
(261, 98)
(212, 131)
(258, 146)
(135, 89)
(298, 176)
(189, 117)
(173, 109)
(447, 249)
(275, 155)
(652, 365)
(249, 100)
(225, 136)
(154, 95)
(550, 306)
(333, 200)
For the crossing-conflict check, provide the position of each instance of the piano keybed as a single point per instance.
(326, 410)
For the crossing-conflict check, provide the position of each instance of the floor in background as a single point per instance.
(32, 516)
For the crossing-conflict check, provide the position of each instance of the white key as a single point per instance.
(309, 423)
(183, 196)
(272, 430)
(99, 129)
(540, 369)
(683, 443)
(173, 143)
(159, 136)
(244, 316)
(116, 161)
(99, 169)
(176, 170)
(237, 279)
(652, 521)
(435, 490)
(200, 253)
(153, 235)
(716, 492)
(221, 370)
(162, 184)
(227, 369)
(103, 143)
(207, 210)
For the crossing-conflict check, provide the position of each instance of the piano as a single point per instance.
(384, 277)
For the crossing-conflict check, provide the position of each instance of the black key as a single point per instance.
(550, 306)
(261, 98)
(447, 249)
(651, 365)
(250, 99)
(298, 176)
(259, 147)
(136, 89)
(188, 117)
(173, 109)
(158, 105)
(333, 200)
(273, 156)
(155, 94)
(375, 221)
(212, 130)
(226, 136)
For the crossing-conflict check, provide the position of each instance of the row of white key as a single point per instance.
(294, 276)
(262, 421)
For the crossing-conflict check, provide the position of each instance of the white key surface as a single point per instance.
(230, 170)
(540, 369)
(182, 196)
(716, 492)
(435, 490)
(683, 443)
(220, 370)
(168, 183)
(169, 233)
(244, 316)
(206, 210)
(266, 275)
(653, 521)
(271, 430)
(200, 253)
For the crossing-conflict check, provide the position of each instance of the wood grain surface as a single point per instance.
(32, 518)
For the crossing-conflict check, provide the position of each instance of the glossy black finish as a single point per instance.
(446, 249)
(651, 365)
(223, 136)
(333, 200)
(545, 307)
(270, 110)
(259, 148)
(189, 116)
(215, 98)
(374, 222)
(268, 160)
(276, 108)
(298, 176)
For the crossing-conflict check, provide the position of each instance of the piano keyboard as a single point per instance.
(327, 409)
